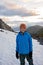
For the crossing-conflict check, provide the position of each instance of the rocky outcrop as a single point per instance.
(3, 25)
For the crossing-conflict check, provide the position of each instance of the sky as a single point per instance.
(27, 5)
(21, 10)
(16, 4)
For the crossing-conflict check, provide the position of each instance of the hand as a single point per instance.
(17, 56)
(30, 54)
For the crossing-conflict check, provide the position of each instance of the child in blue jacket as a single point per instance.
(24, 46)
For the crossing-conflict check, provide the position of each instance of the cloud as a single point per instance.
(28, 4)
(32, 1)
(25, 0)
(14, 9)
(13, 6)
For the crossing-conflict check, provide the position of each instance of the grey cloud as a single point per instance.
(9, 12)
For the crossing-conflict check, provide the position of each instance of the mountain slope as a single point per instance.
(3, 25)
(35, 31)
(8, 47)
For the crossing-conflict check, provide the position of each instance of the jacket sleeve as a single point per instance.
(17, 47)
(30, 43)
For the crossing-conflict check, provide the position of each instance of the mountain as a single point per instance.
(3, 25)
(36, 31)
(40, 32)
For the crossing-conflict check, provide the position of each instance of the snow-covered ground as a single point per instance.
(8, 47)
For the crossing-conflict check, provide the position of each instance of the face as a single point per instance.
(23, 29)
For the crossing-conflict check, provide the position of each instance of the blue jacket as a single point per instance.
(23, 43)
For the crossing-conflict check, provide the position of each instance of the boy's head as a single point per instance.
(23, 27)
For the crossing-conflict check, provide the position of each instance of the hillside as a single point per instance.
(36, 31)
(8, 49)
(3, 25)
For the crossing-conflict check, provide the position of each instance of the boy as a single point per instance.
(24, 46)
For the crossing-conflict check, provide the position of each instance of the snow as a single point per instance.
(37, 53)
(8, 49)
